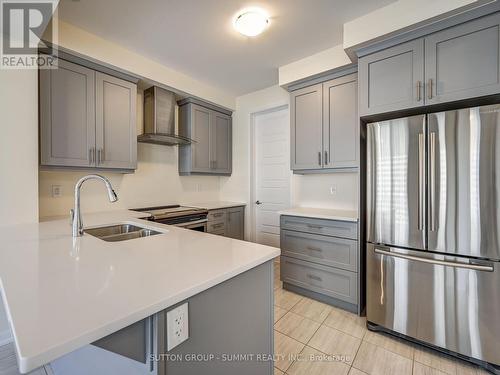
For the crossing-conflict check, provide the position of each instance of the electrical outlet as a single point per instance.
(177, 326)
(333, 189)
(56, 191)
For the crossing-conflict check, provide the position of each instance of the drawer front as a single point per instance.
(216, 226)
(217, 215)
(325, 250)
(332, 282)
(343, 229)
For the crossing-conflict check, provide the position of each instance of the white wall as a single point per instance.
(396, 16)
(18, 154)
(320, 62)
(310, 190)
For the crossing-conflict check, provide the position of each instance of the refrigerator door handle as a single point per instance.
(432, 181)
(421, 182)
(475, 267)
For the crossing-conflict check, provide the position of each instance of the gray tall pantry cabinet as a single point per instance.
(210, 128)
(87, 119)
(457, 63)
(324, 126)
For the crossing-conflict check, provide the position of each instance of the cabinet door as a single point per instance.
(116, 132)
(201, 154)
(463, 61)
(341, 122)
(392, 79)
(306, 128)
(67, 116)
(235, 223)
(221, 142)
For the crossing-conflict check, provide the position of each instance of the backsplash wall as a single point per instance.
(315, 191)
(155, 182)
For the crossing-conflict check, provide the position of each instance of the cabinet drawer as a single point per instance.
(332, 282)
(342, 229)
(217, 215)
(216, 226)
(325, 250)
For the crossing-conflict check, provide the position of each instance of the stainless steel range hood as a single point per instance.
(159, 118)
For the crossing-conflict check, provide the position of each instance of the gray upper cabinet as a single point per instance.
(463, 61)
(67, 116)
(324, 126)
(306, 128)
(392, 79)
(460, 62)
(116, 130)
(87, 119)
(211, 131)
(341, 122)
(235, 223)
(221, 141)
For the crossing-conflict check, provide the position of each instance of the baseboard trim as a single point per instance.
(5, 337)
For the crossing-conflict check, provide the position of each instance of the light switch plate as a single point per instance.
(177, 326)
(56, 191)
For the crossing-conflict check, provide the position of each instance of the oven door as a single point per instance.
(199, 225)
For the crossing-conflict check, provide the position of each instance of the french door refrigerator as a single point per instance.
(433, 227)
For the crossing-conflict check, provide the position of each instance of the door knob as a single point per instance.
(258, 202)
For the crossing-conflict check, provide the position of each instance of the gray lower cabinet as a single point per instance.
(87, 119)
(228, 222)
(211, 131)
(461, 62)
(320, 258)
(392, 79)
(324, 126)
(230, 319)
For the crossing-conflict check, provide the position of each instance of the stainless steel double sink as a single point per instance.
(121, 232)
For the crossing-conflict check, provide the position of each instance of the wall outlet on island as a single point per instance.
(333, 190)
(177, 326)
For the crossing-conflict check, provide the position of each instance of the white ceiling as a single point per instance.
(196, 37)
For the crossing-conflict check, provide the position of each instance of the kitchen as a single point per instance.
(340, 189)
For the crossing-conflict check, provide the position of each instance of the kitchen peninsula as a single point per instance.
(63, 293)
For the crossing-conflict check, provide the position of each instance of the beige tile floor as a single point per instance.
(312, 338)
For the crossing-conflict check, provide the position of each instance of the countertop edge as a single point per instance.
(29, 362)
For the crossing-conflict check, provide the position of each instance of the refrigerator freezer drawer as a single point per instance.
(447, 301)
(329, 281)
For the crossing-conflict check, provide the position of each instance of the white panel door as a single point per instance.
(272, 174)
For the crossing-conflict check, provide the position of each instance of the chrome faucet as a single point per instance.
(76, 216)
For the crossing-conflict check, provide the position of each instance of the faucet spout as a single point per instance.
(76, 216)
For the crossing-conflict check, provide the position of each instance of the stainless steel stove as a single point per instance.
(180, 216)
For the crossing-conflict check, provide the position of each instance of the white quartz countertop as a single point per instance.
(215, 205)
(322, 213)
(61, 294)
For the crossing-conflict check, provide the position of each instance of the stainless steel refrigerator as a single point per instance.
(433, 227)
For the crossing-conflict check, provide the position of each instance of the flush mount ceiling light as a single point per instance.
(251, 22)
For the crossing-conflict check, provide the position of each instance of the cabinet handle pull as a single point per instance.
(326, 157)
(319, 157)
(91, 155)
(314, 226)
(429, 88)
(314, 277)
(315, 249)
(218, 215)
(419, 89)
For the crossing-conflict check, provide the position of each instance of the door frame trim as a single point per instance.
(253, 163)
